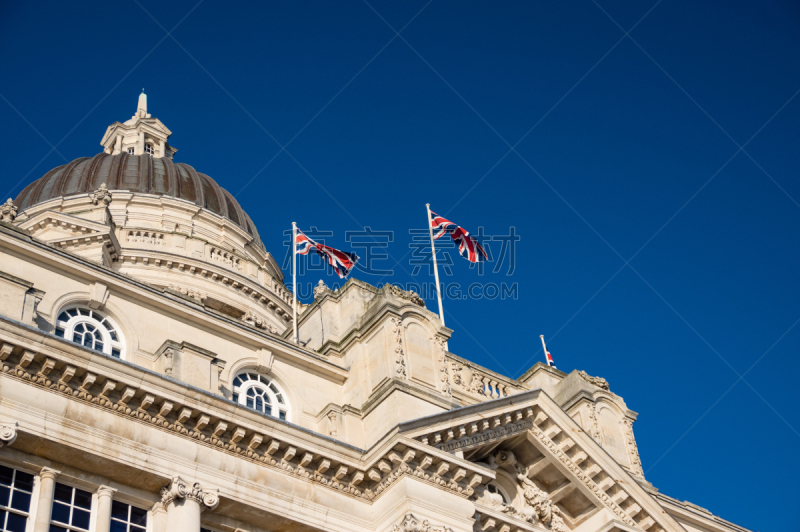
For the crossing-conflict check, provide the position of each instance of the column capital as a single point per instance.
(105, 491)
(8, 433)
(180, 489)
(47, 473)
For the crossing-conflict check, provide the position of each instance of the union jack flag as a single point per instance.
(550, 360)
(342, 262)
(468, 247)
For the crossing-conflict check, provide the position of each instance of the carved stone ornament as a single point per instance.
(397, 333)
(8, 211)
(180, 489)
(191, 292)
(633, 450)
(320, 289)
(8, 433)
(169, 355)
(538, 506)
(258, 322)
(411, 524)
(101, 195)
(597, 381)
(444, 366)
(408, 295)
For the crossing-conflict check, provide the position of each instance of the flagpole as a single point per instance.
(435, 266)
(294, 282)
(544, 347)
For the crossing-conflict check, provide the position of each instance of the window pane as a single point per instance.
(63, 317)
(116, 353)
(113, 335)
(80, 518)
(137, 529)
(60, 513)
(24, 481)
(6, 475)
(60, 332)
(54, 528)
(138, 516)
(83, 499)
(4, 493)
(118, 526)
(21, 501)
(119, 510)
(16, 523)
(63, 493)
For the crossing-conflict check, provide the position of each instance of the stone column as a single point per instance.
(44, 506)
(104, 497)
(184, 504)
(159, 514)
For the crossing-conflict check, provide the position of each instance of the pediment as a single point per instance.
(75, 234)
(53, 226)
(545, 463)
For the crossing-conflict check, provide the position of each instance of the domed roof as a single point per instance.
(137, 173)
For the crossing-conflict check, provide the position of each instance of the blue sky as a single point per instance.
(673, 148)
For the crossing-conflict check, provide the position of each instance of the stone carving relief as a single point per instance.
(8, 211)
(101, 195)
(537, 509)
(226, 257)
(191, 292)
(400, 355)
(169, 360)
(180, 489)
(597, 381)
(411, 523)
(8, 433)
(633, 450)
(444, 366)
(408, 295)
(332, 424)
(320, 289)
(594, 430)
(146, 237)
(258, 322)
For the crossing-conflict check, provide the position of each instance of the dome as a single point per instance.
(137, 173)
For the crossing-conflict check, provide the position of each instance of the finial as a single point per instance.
(141, 109)
(142, 90)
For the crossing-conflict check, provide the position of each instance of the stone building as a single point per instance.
(149, 383)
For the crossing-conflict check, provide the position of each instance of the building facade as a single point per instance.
(150, 384)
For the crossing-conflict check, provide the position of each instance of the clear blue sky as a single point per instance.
(623, 147)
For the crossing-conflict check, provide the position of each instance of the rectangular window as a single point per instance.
(15, 499)
(127, 518)
(130, 151)
(71, 509)
(148, 148)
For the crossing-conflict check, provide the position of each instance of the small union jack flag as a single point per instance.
(547, 354)
(342, 262)
(468, 247)
(550, 360)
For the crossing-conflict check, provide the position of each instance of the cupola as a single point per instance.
(141, 135)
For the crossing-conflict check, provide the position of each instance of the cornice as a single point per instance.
(143, 396)
(12, 237)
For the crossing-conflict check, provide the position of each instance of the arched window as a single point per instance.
(260, 393)
(91, 329)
